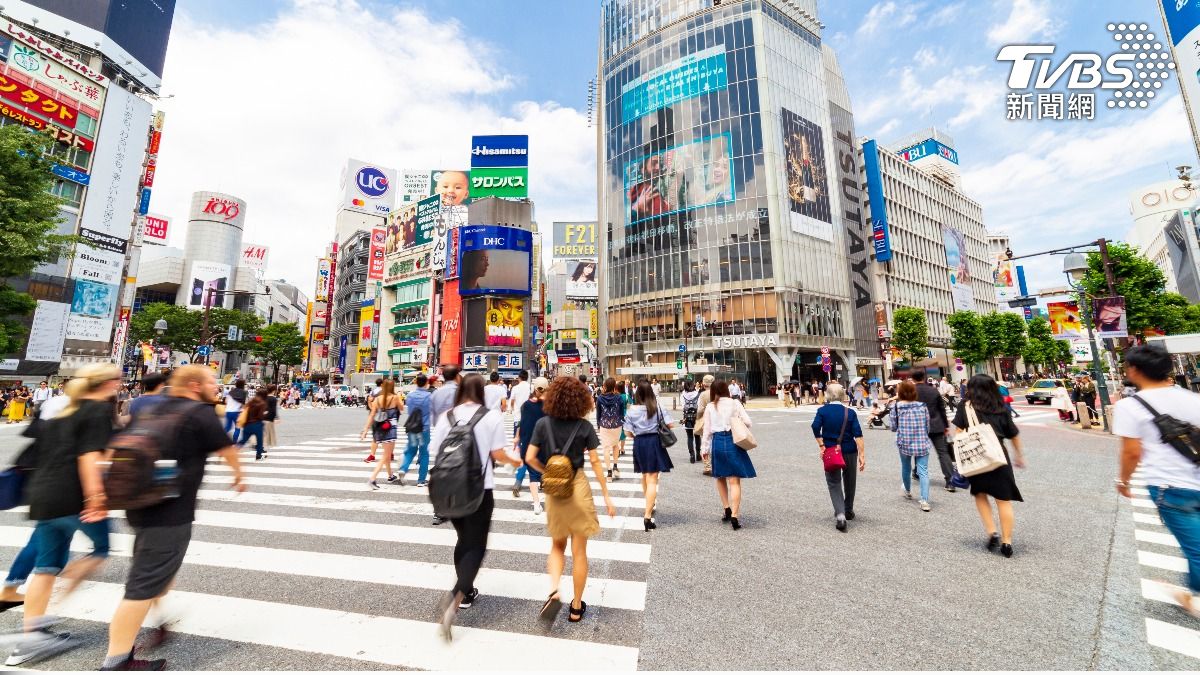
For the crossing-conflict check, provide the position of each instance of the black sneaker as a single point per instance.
(849, 515)
(469, 600)
(139, 664)
(438, 520)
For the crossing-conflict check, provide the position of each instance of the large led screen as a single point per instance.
(681, 178)
(494, 259)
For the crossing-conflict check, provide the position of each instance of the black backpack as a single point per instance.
(1183, 436)
(415, 423)
(134, 479)
(456, 479)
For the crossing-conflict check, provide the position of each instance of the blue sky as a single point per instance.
(909, 65)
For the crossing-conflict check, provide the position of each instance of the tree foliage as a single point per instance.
(28, 224)
(1143, 285)
(967, 337)
(1004, 334)
(184, 325)
(282, 345)
(910, 333)
(1041, 349)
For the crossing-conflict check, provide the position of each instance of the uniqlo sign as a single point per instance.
(156, 228)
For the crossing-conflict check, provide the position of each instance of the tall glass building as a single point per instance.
(729, 194)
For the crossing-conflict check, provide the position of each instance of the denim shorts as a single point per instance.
(53, 539)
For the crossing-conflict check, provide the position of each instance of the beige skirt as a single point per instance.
(609, 437)
(269, 439)
(574, 516)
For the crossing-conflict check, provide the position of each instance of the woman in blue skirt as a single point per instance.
(650, 458)
(730, 463)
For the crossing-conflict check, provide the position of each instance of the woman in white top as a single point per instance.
(730, 463)
(472, 530)
(650, 458)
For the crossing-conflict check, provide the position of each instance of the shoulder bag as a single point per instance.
(1181, 435)
(832, 457)
(977, 450)
(741, 433)
(666, 435)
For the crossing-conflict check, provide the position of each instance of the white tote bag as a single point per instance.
(977, 450)
(741, 433)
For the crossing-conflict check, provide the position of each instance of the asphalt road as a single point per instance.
(311, 570)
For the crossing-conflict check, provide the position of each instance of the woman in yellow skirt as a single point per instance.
(16, 406)
(565, 431)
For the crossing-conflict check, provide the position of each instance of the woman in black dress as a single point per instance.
(983, 395)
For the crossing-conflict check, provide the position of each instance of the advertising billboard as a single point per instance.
(406, 265)
(366, 321)
(343, 344)
(208, 282)
(929, 148)
(113, 195)
(960, 269)
(693, 75)
(449, 218)
(323, 270)
(428, 212)
(367, 188)
(155, 229)
(1064, 320)
(92, 306)
(497, 151)
(1003, 275)
(255, 257)
(23, 95)
(807, 177)
(1176, 231)
(574, 240)
(495, 259)
(582, 280)
(99, 257)
(140, 28)
(505, 322)
(451, 343)
(414, 186)
(680, 178)
(375, 260)
(401, 229)
(48, 331)
(452, 185)
(1183, 26)
(46, 70)
(452, 249)
(1111, 317)
(505, 182)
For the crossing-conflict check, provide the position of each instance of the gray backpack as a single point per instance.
(456, 479)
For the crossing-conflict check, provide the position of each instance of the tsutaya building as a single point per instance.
(732, 219)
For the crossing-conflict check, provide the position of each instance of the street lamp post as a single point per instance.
(1075, 267)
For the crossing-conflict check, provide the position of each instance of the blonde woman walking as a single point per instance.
(383, 417)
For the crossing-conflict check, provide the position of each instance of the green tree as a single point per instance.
(1143, 285)
(28, 225)
(967, 338)
(1004, 334)
(1063, 356)
(910, 333)
(183, 332)
(282, 345)
(1041, 349)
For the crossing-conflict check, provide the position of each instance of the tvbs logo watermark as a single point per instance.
(1043, 86)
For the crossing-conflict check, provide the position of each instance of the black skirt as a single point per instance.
(1000, 483)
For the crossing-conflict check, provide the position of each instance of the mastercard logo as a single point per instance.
(358, 202)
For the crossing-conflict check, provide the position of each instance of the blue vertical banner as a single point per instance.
(879, 225)
(144, 206)
(342, 344)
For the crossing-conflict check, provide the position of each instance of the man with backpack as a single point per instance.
(1160, 429)
(416, 425)
(163, 530)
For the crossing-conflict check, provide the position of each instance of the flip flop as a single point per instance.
(550, 609)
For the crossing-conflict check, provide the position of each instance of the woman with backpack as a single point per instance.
(691, 408)
(486, 429)
(557, 449)
(650, 458)
(730, 463)
(610, 418)
(986, 405)
(383, 420)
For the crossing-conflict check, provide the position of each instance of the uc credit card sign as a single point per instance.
(499, 151)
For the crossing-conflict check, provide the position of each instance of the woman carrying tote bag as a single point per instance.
(730, 463)
(984, 399)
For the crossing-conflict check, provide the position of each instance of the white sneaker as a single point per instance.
(537, 508)
(925, 506)
(907, 493)
(40, 645)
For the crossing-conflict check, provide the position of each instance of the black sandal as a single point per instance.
(576, 615)
(551, 608)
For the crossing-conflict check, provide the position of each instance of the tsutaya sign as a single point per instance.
(740, 341)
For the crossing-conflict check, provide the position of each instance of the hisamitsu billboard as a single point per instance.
(499, 151)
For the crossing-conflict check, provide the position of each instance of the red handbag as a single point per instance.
(832, 457)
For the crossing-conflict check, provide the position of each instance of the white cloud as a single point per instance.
(946, 15)
(887, 128)
(272, 115)
(888, 15)
(926, 57)
(1027, 20)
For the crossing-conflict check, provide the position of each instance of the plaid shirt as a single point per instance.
(910, 421)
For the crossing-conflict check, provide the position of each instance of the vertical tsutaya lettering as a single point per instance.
(852, 217)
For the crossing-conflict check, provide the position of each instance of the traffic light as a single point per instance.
(257, 338)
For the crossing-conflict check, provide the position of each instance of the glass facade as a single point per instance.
(718, 190)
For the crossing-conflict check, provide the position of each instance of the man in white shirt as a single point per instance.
(655, 387)
(518, 396)
(735, 390)
(1171, 478)
(41, 395)
(494, 394)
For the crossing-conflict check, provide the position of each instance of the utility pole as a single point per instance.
(1109, 278)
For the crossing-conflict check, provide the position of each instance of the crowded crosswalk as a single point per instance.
(309, 559)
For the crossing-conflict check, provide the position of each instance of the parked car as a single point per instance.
(1042, 391)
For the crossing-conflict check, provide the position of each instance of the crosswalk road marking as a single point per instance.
(312, 494)
(1175, 638)
(1161, 634)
